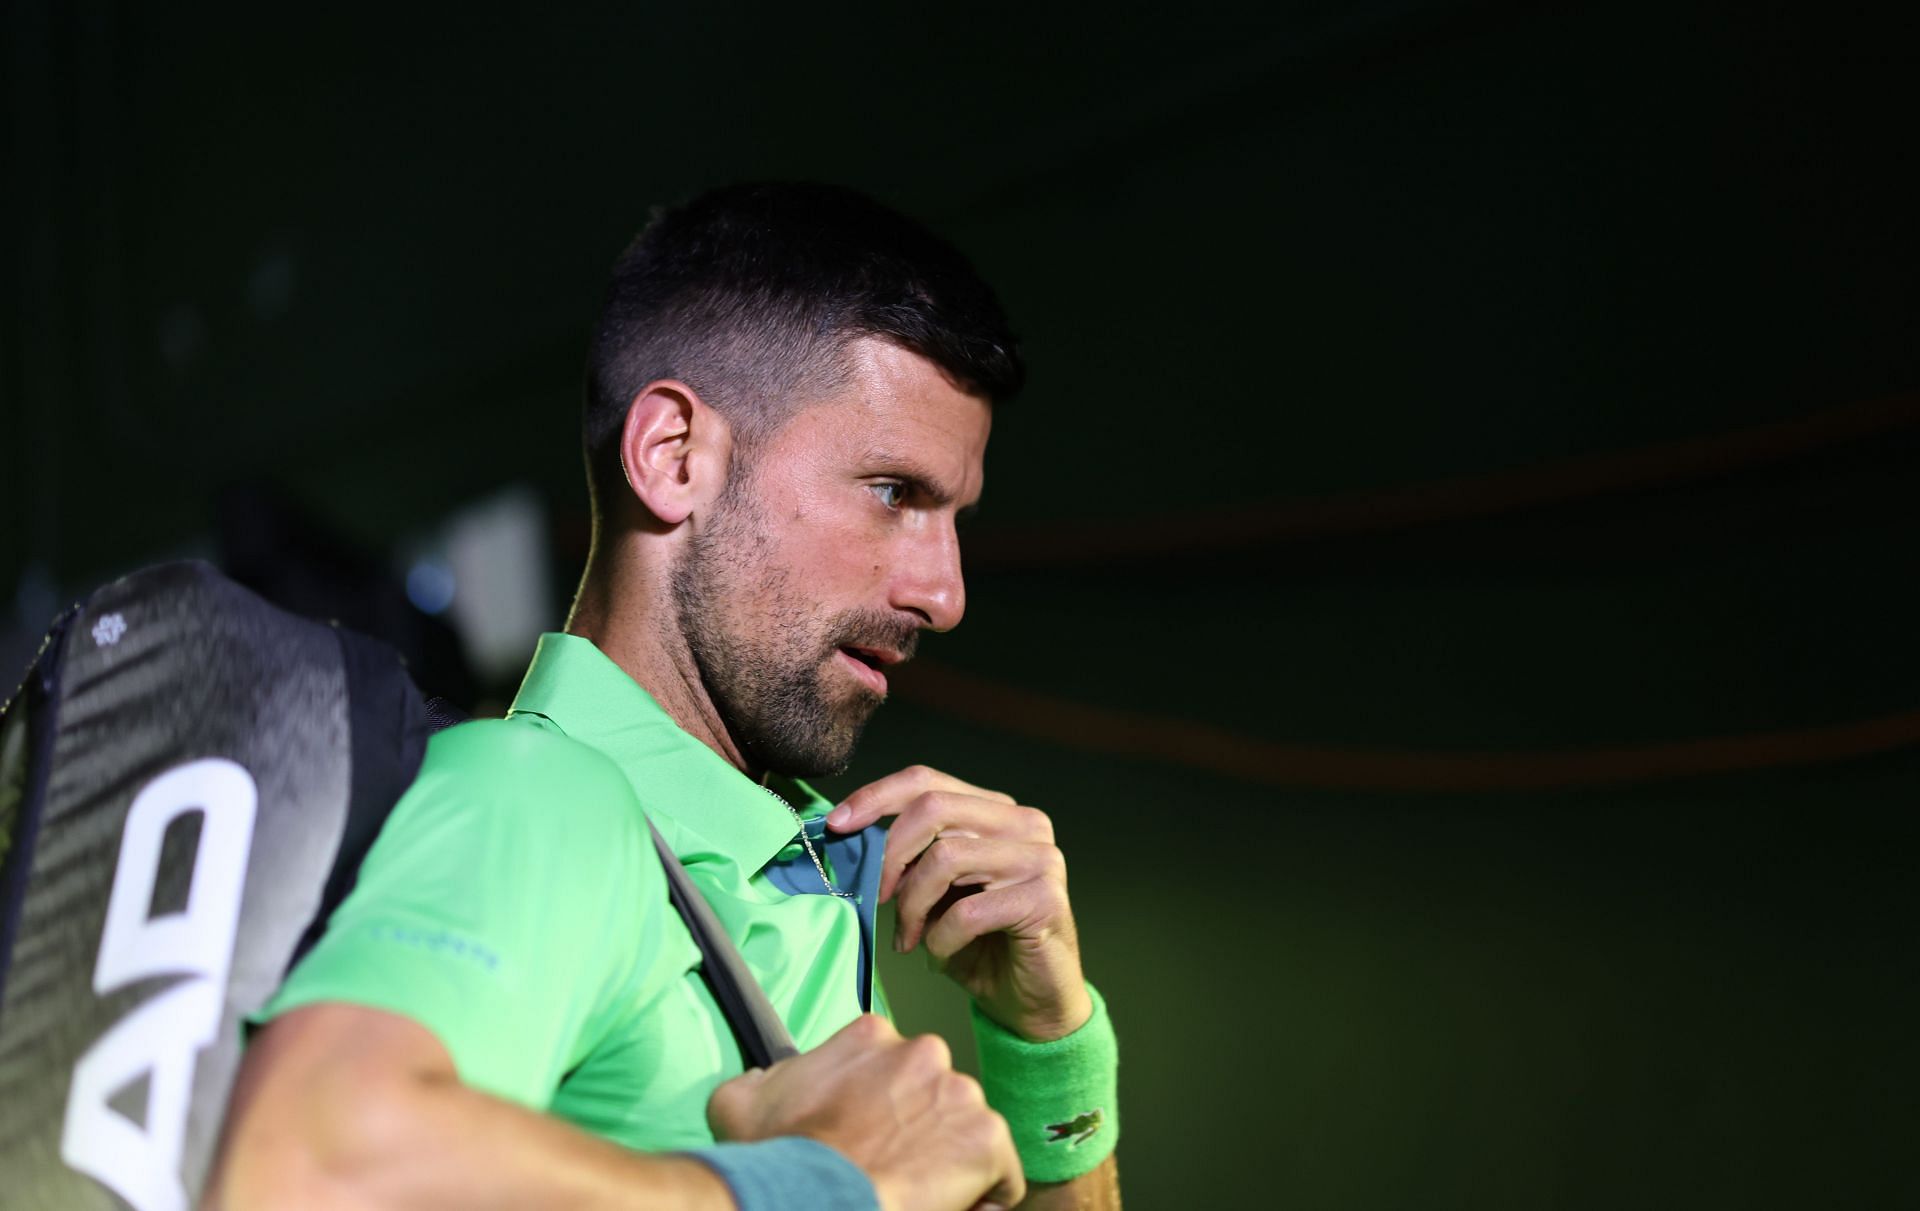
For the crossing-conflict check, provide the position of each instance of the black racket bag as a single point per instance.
(189, 777)
(189, 780)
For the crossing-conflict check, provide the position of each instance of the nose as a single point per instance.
(929, 582)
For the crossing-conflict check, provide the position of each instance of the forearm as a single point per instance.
(1096, 1190)
(357, 1133)
(459, 1147)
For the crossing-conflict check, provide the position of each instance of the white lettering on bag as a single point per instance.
(161, 1037)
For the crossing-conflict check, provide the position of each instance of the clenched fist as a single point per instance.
(893, 1106)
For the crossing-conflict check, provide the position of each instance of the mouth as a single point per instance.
(866, 663)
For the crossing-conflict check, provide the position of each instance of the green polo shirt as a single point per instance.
(514, 906)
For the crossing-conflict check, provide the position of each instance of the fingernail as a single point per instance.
(839, 815)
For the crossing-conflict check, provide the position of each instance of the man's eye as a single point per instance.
(891, 495)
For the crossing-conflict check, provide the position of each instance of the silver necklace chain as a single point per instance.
(806, 841)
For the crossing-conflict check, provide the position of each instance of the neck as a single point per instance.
(625, 608)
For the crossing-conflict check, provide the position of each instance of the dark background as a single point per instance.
(1450, 577)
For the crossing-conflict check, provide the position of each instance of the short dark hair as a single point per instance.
(750, 293)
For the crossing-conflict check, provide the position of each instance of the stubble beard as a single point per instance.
(767, 676)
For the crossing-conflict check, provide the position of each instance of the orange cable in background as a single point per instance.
(1096, 729)
(1070, 543)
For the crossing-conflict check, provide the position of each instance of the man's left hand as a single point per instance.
(978, 878)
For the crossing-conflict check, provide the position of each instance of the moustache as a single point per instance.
(882, 632)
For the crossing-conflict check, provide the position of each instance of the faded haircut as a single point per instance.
(750, 294)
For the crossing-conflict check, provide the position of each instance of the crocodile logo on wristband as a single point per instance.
(1078, 1129)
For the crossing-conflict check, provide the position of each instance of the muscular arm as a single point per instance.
(339, 1106)
(342, 1107)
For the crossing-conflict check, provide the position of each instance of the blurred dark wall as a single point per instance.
(1458, 536)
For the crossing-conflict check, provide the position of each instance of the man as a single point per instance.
(789, 398)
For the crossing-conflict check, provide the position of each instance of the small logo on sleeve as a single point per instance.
(108, 631)
(1076, 1130)
(438, 941)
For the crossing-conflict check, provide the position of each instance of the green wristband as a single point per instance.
(1060, 1098)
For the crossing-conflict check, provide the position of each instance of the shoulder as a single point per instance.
(511, 758)
(512, 777)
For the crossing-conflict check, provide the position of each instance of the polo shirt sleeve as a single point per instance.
(512, 905)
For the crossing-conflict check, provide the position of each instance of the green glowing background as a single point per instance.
(1450, 577)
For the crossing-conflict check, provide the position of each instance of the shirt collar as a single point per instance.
(704, 807)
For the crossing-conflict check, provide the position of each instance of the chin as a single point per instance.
(823, 754)
(809, 765)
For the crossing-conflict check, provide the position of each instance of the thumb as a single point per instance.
(731, 1101)
(853, 814)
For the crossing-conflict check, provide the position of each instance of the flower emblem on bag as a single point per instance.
(108, 630)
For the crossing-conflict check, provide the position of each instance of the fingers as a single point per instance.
(732, 1101)
(910, 1074)
(991, 1138)
(1011, 1189)
(956, 863)
(864, 1033)
(1015, 909)
(872, 1040)
(932, 815)
(889, 796)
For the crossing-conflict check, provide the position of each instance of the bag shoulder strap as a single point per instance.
(762, 1035)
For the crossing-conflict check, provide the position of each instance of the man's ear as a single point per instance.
(674, 450)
